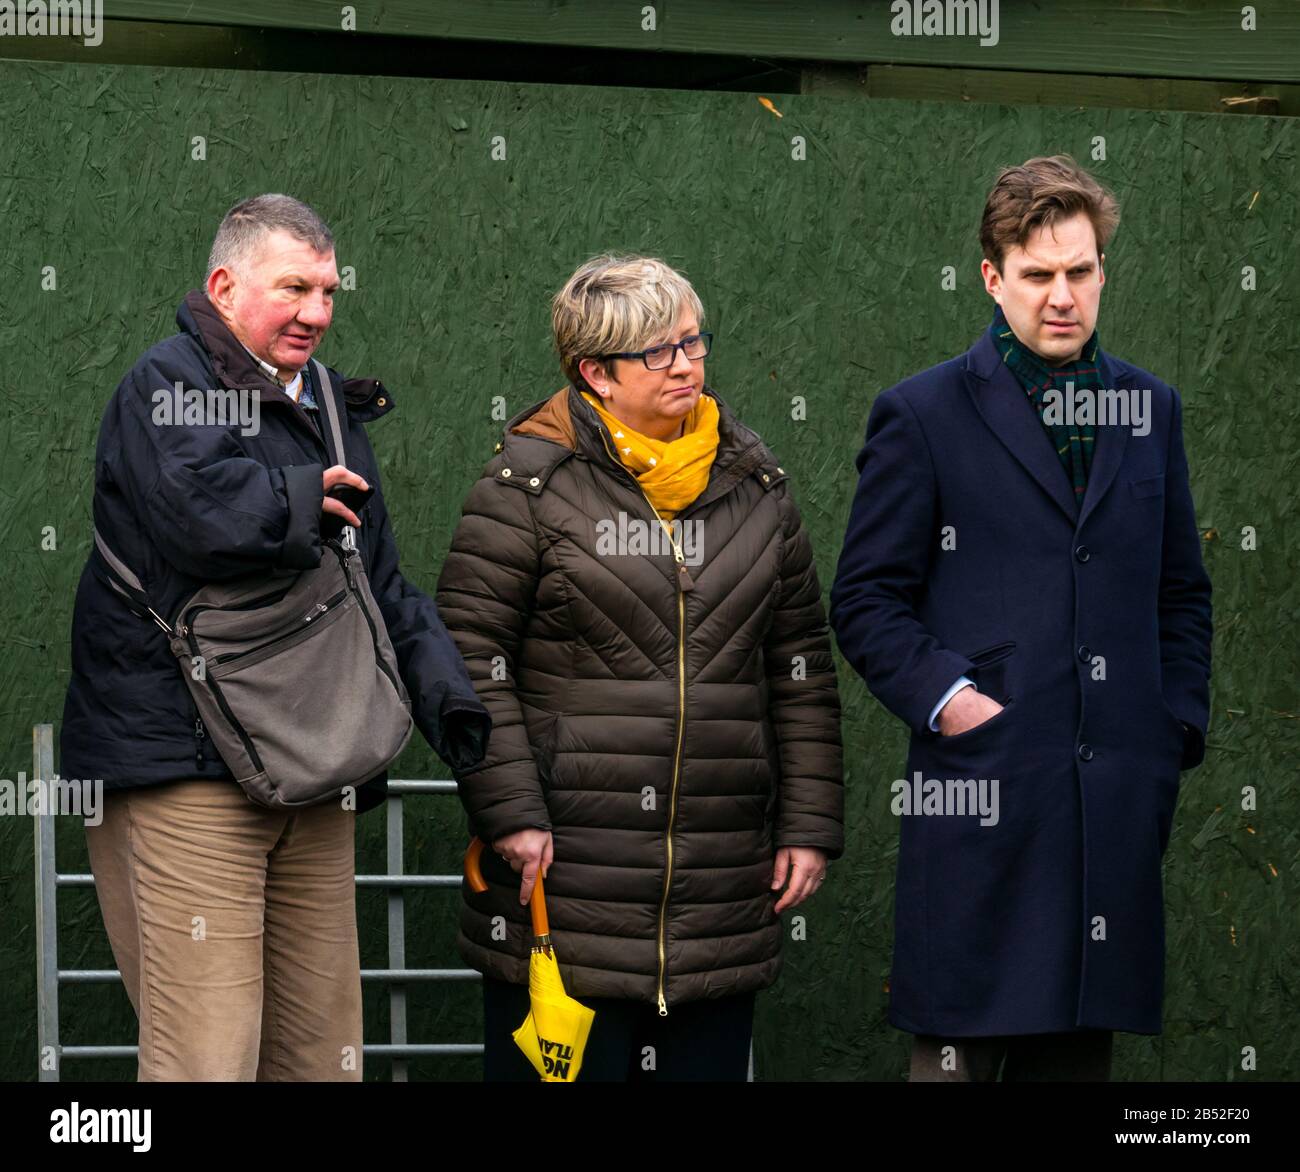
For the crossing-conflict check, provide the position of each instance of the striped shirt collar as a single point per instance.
(292, 389)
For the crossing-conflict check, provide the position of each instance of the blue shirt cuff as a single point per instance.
(948, 695)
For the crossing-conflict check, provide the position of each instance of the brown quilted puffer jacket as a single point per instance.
(671, 724)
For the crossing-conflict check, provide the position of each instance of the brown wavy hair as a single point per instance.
(1041, 192)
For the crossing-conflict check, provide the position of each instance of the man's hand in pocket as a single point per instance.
(967, 709)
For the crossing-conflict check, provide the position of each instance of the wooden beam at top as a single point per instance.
(1196, 39)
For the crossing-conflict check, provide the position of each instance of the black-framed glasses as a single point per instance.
(695, 347)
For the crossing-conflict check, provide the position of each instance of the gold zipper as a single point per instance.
(684, 583)
(672, 806)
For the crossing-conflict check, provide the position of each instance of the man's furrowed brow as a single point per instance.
(292, 278)
(1033, 269)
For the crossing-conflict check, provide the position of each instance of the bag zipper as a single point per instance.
(186, 631)
(247, 604)
(316, 612)
(199, 734)
(345, 558)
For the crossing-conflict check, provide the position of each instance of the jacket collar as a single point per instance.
(568, 425)
(237, 369)
(1005, 408)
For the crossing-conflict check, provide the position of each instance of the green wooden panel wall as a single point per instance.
(821, 279)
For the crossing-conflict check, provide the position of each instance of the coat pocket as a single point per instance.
(544, 751)
(1176, 728)
(774, 772)
(991, 671)
(772, 749)
(1151, 486)
(973, 734)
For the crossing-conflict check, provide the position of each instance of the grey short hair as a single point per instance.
(244, 226)
(616, 303)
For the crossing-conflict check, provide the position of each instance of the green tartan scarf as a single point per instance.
(1074, 442)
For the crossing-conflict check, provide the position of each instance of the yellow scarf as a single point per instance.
(674, 472)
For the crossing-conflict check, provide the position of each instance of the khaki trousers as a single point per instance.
(235, 930)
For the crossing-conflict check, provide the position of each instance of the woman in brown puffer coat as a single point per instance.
(634, 595)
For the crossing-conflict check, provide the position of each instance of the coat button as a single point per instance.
(505, 471)
(1085, 653)
(766, 478)
(381, 401)
(1082, 553)
(1085, 752)
(534, 481)
(781, 471)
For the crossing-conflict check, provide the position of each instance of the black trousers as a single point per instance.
(1080, 1056)
(700, 1041)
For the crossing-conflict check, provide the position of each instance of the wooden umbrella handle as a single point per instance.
(537, 905)
(473, 872)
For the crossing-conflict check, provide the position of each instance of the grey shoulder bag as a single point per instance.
(292, 671)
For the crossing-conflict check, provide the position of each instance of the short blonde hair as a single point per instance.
(615, 303)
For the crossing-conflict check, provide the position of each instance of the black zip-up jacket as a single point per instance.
(185, 505)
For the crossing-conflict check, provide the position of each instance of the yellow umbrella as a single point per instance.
(554, 1034)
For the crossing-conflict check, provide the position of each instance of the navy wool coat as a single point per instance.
(966, 554)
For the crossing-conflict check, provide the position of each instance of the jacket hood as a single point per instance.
(551, 419)
(365, 398)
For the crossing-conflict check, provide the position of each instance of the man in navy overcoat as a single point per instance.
(1021, 584)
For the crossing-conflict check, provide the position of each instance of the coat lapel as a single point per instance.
(1112, 438)
(1005, 408)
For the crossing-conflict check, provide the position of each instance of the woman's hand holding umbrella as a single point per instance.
(553, 1037)
(527, 852)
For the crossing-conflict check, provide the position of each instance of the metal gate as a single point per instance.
(397, 976)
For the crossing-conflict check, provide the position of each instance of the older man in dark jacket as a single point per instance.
(234, 925)
(1021, 584)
